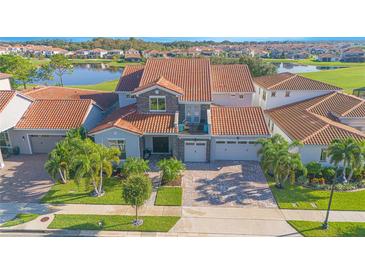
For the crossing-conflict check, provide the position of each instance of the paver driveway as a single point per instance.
(226, 184)
(24, 179)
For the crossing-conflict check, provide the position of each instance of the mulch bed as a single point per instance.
(176, 182)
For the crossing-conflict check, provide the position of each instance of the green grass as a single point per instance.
(20, 219)
(113, 222)
(103, 86)
(72, 193)
(298, 197)
(346, 78)
(335, 229)
(169, 196)
(314, 62)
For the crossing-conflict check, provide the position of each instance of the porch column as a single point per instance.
(2, 164)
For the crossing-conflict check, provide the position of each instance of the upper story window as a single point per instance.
(287, 93)
(264, 95)
(157, 103)
(273, 93)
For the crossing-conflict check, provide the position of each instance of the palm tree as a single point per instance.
(346, 151)
(278, 158)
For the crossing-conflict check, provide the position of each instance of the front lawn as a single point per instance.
(299, 197)
(113, 222)
(335, 229)
(20, 219)
(169, 196)
(72, 193)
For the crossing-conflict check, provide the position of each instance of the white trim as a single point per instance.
(29, 145)
(158, 87)
(233, 92)
(114, 127)
(241, 136)
(195, 102)
(51, 129)
(158, 134)
(156, 97)
(184, 136)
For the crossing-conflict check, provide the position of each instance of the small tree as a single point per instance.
(135, 191)
(133, 165)
(45, 73)
(61, 65)
(171, 169)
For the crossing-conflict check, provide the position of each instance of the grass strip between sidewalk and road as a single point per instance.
(112, 222)
(20, 218)
(335, 229)
(169, 196)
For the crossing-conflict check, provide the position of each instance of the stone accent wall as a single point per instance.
(174, 147)
(141, 145)
(181, 113)
(180, 148)
(143, 102)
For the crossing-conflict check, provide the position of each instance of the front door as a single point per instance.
(160, 144)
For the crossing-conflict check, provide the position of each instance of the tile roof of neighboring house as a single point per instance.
(103, 99)
(238, 121)
(311, 121)
(290, 81)
(162, 82)
(55, 114)
(4, 75)
(191, 74)
(130, 78)
(232, 78)
(5, 98)
(128, 119)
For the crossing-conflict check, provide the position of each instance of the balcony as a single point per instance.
(193, 129)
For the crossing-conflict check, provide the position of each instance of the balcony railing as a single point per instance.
(193, 129)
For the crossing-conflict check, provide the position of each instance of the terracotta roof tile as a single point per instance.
(130, 78)
(162, 82)
(101, 98)
(238, 121)
(5, 98)
(293, 82)
(232, 78)
(55, 114)
(311, 122)
(193, 75)
(128, 119)
(4, 75)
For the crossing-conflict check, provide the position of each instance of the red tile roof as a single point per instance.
(130, 78)
(310, 121)
(191, 74)
(293, 82)
(238, 121)
(5, 98)
(4, 75)
(103, 99)
(55, 114)
(232, 78)
(127, 118)
(162, 82)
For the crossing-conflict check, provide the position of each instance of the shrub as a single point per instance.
(314, 169)
(329, 173)
(134, 165)
(171, 169)
(302, 180)
(319, 181)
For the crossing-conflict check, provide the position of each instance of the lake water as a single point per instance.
(87, 74)
(294, 68)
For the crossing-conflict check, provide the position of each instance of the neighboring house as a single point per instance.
(5, 81)
(12, 107)
(170, 106)
(318, 121)
(286, 88)
(327, 57)
(356, 54)
(97, 53)
(42, 117)
(132, 55)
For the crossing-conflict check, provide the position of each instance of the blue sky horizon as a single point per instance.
(194, 39)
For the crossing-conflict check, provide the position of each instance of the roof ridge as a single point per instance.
(338, 88)
(283, 81)
(315, 133)
(353, 108)
(321, 101)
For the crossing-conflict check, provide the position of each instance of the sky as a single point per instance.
(172, 39)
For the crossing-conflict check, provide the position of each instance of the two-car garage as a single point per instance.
(233, 149)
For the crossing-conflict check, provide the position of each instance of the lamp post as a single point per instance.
(341, 179)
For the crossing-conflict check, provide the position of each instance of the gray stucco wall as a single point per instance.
(132, 140)
(94, 118)
(20, 138)
(143, 103)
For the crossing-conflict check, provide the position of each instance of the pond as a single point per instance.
(295, 68)
(87, 74)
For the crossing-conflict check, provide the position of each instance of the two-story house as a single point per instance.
(187, 108)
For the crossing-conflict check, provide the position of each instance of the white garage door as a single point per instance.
(195, 151)
(236, 150)
(44, 143)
